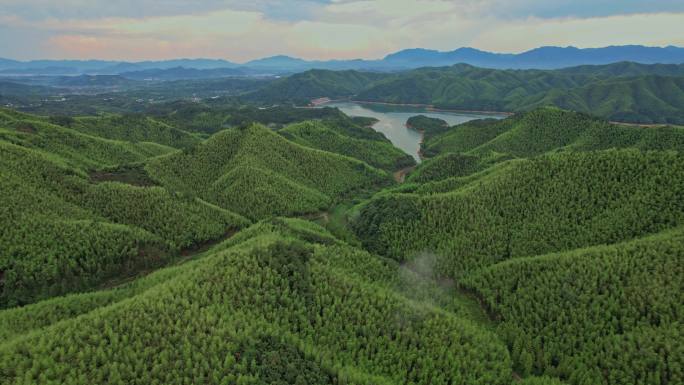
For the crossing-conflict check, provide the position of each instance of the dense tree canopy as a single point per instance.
(237, 169)
(542, 249)
(337, 138)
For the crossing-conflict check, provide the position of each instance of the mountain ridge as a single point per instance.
(546, 57)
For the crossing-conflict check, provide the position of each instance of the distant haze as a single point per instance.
(538, 58)
(240, 31)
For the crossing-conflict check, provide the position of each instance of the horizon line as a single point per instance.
(327, 60)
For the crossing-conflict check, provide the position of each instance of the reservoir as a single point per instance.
(392, 121)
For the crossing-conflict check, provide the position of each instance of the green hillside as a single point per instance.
(274, 307)
(134, 128)
(79, 149)
(550, 203)
(428, 126)
(549, 129)
(211, 242)
(644, 99)
(75, 234)
(236, 168)
(626, 69)
(528, 237)
(445, 166)
(466, 87)
(605, 314)
(332, 137)
(209, 118)
(627, 92)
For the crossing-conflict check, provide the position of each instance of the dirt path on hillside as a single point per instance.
(400, 176)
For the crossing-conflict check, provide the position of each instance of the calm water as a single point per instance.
(392, 121)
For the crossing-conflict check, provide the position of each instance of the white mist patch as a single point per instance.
(418, 280)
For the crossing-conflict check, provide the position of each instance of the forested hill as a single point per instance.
(623, 91)
(346, 138)
(544, 212)
(561, 249)
(280, 301)
(64, 232)
(87, 200)
(283, 302)
(548, 129)
(626, 68)
(256, 172)
(224, 244)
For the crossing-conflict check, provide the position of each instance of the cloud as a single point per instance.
(95, 9)
(581, 8)
(321, 29)
(646, 29)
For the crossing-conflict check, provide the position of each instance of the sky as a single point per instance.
(322, 29)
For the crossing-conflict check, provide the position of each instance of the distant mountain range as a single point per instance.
(538, 58)
(541, 58)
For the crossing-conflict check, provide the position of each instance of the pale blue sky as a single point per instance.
(323, 29)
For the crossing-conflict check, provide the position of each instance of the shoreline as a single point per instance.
(428, 107)
(420, 143)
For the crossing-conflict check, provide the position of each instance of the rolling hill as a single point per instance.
(548, 129)
(265, 308)
(134, 128)
(636, 282)
(76, 235)
(645, 99)
(225, 244)
(554, 220)
(622, 91)
(336, 137)
(75, 147)
(67, 177)
(237, 167)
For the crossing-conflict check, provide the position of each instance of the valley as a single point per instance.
(391, 121)
(198, 235)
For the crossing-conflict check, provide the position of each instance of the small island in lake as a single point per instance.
(427, 125)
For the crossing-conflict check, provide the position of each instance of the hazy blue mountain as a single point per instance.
(278, 61)
(538, 58)
(419, 57)
(51, 70)
(4, 63)
(104, 67)
(556, 57)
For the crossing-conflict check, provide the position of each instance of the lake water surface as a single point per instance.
(392, 121)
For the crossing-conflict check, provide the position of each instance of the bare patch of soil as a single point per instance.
(133, 175)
